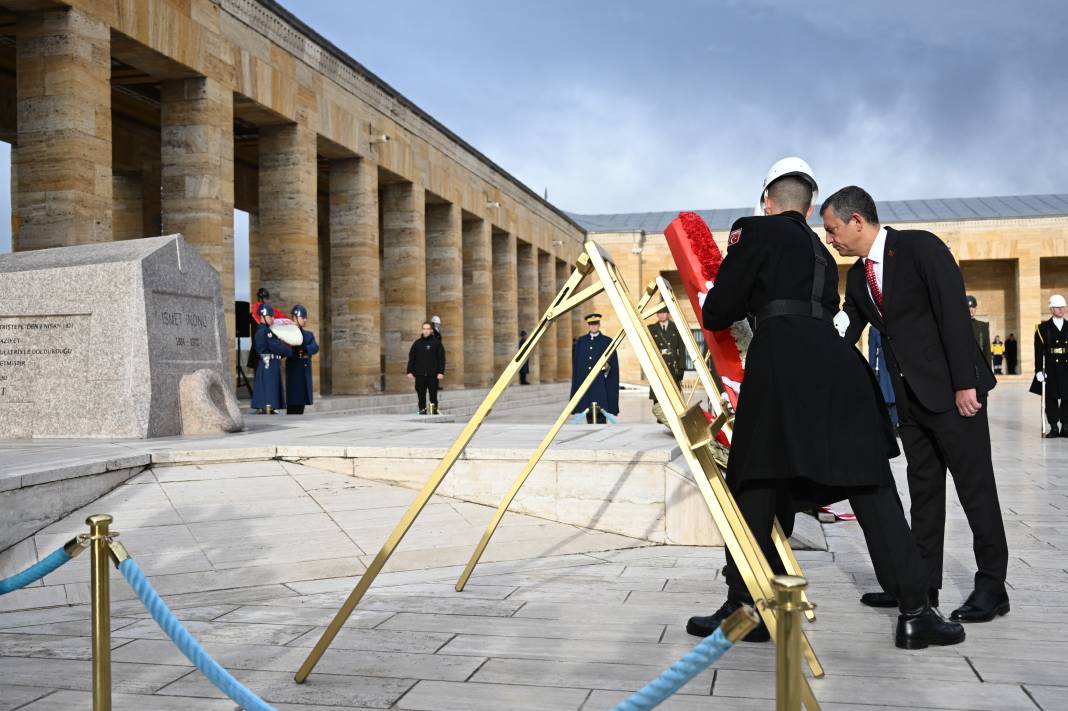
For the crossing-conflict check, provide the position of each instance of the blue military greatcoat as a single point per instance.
(268, 386)
(299, 371)
(605, 388)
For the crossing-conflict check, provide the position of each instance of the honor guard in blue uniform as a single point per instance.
(603, 395)
(298, 366)
(267, 395)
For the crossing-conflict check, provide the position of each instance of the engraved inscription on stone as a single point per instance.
(47, 346)
(183, 327)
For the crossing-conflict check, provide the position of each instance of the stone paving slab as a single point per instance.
(256, 557)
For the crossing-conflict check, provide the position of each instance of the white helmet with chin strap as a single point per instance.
(791, 165)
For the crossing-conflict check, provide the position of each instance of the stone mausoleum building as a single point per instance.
(1013, 252)
(145, 117)
(133, 118)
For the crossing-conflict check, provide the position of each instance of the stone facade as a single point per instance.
(1011, 266)
(138, 116)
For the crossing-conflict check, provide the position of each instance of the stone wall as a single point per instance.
(1011, 266)
(166, 116)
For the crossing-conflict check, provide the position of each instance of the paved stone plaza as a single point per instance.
(257, 555)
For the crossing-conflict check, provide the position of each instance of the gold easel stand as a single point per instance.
(688, 426)
(724, 421)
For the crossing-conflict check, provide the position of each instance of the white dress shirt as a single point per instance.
(877, 255)
(1058, 322)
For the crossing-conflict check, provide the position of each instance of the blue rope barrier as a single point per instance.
(674, 677)
(192, 650)
(35, 572)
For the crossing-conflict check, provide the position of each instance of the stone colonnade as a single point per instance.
(370, 251)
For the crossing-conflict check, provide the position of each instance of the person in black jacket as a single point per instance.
(1012, 353)
(906, 284)
(299, 385)
(426, 366)
(811, 427)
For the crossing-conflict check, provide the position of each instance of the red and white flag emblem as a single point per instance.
(734, 237)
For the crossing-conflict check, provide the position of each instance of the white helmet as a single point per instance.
(1056, 301)
(791, 165)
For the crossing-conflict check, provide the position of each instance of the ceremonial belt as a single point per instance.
(1058, 351)
(270, 356)
(795, 307)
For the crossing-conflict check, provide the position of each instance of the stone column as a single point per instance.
(355, 301)
(403, 276)
(322, 325)
(197, 173)
(527, 293)
(445, 283)
(478, 303)
(287, 253)
(64, 129)
(1031, 306)
(127, 213)
(505, 317)
(546, 293)
(564, 331)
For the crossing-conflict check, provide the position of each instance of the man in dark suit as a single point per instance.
(906, 284)
(811, 427)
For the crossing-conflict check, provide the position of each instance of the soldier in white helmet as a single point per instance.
(1051, 366)
(811, 427)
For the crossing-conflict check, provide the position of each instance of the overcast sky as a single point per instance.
(617, 106)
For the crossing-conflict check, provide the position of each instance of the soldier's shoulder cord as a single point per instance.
(1038, 330)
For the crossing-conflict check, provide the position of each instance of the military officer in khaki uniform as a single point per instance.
(669, 342)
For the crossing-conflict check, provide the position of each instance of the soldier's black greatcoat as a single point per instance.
(605, 388)
(299, 384)
(268, 386)
(1051, 355)
(810, 408)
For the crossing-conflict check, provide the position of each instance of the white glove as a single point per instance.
(841, 322)
(1040, 376)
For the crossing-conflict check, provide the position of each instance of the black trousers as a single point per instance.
(1056, 408)
(423, 384)
(933, 443)
(899, 567)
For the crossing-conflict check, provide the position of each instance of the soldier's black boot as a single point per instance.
(924, 627)
(704, 626)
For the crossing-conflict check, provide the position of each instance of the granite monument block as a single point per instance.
(94, 339)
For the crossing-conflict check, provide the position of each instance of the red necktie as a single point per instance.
(873, 283)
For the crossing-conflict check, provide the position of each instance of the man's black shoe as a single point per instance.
(924, 627)
(878, 599)
(704, 626)
(885, 599)
(982, 606)
(1053, 433)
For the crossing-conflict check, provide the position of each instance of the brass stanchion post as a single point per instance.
(101, 594)
(788, 605)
